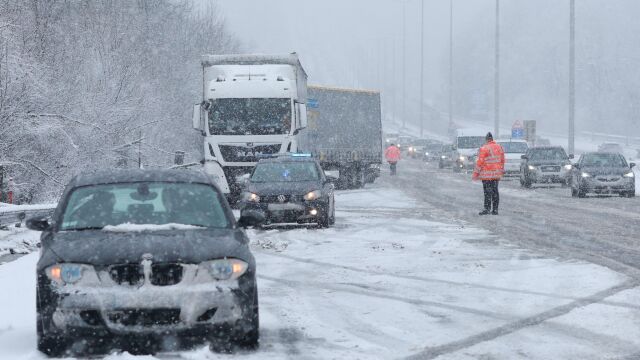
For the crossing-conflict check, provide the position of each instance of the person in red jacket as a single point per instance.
(489, 169)
(392, 154)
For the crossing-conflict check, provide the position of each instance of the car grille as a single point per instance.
(287, 198)
(235, 153)
(166, 274)
(144, 317)
(608, 179)
(131, 274)
(550, 168)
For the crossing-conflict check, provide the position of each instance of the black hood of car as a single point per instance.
(99, 247)
(599, 170)
(284, 188)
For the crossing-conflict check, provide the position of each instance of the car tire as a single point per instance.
(456, 168)
(325, 220)
(332, 220)
(630, 194)
(574, 192)
(527, 183)
(582, 193)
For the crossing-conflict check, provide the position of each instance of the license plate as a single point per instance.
(284, 207)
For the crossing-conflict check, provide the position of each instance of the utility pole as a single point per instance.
(450, 65)
(421, 68)
(572, 75)
(496, 129)
(404, 61)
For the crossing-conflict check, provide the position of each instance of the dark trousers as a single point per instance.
(491, 195)
(392, 165)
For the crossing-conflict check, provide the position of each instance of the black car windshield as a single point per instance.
(548, 154)
(603, 160)
(256, 116)
(514, 147)
(285, 172)
(470, 142)
(152, 203)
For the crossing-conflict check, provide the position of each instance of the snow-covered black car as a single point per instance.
(135, 258)
(603, 173)
(290, 189)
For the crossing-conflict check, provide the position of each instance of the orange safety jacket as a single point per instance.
(490, 163)
(392, 154)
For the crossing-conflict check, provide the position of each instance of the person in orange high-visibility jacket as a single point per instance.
(392, 155)
(489, 169)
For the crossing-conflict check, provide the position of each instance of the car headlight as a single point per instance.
(629, 174)
(410, 148)
(250, 197)
(568, 167)
(66, 273)
(443, 157)
(531, 167)
(226, 269)
(585, 175)
(461, 158)
(312, 195)
(426, 154)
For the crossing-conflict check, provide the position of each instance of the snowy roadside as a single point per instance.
(18, 240)
(5, 208)
(385, 283)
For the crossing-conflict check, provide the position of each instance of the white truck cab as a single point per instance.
(252, 106)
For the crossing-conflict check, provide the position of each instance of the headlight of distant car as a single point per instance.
(250, 197)
(313, 195)
(585, 175)
(462, 158)
(67, 273)
(426, 154)
(531, 167)
(226, 269)
(443, 157)
(568, 167)
(629, 174)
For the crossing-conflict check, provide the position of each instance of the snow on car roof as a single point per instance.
(114, 176)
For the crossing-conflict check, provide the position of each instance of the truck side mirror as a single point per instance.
(524, 157)
(197, 117)
(302, 116)
(632, 165)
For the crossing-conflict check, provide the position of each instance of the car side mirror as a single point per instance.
(571, 156)
(251, 218)
(632, 165)
(38, 224)
(524, 157)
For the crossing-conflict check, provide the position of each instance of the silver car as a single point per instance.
(603, 173)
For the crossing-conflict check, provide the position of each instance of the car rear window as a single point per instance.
(155, 203)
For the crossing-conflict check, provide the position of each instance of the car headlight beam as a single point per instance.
(568, 167)
(313, 195)
(531, 167)
(630, 174)
(226, 269)
(585, 175)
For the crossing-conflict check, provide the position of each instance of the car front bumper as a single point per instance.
(147, 309)
(538, 176)
(289, 212)
(621, 186)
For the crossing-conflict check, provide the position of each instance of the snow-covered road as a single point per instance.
(390, 281)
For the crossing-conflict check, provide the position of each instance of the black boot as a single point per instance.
(484, 212)
(494, 212)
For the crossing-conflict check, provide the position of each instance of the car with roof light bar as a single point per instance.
(290, 190)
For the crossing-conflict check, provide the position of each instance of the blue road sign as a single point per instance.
(312, 103)
(517, 133)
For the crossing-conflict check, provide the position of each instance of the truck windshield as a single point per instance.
(255, 116)
(470, 142)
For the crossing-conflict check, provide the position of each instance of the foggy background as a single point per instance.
(359, 43)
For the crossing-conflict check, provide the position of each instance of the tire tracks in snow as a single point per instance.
(454, 346)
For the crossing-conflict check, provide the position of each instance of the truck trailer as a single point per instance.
(252, 106)
(344, 133)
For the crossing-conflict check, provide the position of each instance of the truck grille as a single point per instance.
(242, 153)
(145, 317)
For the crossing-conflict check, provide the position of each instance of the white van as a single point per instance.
(513, 151)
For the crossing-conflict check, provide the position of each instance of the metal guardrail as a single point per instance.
(14, 216)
